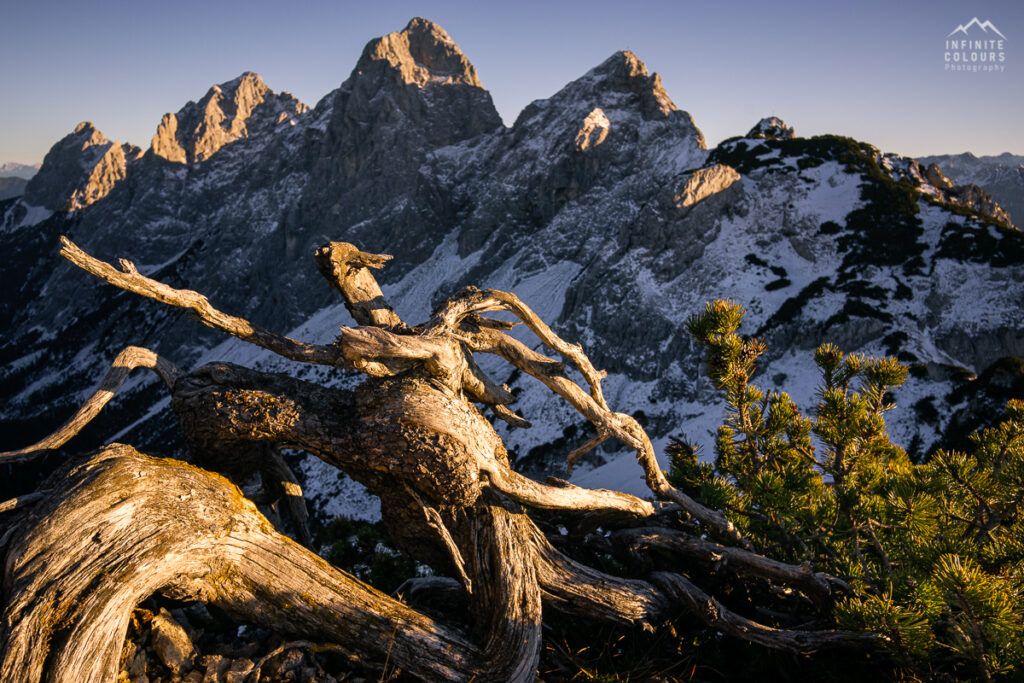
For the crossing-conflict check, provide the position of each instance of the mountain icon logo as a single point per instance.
(984, 25)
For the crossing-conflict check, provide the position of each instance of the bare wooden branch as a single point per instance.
(585, 448)
(575, 588)
(131, 280)
(716, 615)
(363, 346)
(506, 599)
(435, 522)
(608, 423)
(737, 560)
(503, 413)
(295, 502)
(344, 266)
(481, 387)
(472, 300)
(568, 497)
(130, 358)
(22, 501)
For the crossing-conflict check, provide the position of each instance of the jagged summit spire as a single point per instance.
(422, 53)
(228, 111)
(618, 88)
(90, 132)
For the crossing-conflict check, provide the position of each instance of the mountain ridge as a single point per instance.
(601, 206)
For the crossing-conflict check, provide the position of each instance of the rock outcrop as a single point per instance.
(1001, 176)
(771, 128)
(79, 170)
(969, 195)
(934, 176)
(229, 111)
(705, 182)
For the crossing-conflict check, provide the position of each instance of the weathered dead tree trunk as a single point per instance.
(120, 526)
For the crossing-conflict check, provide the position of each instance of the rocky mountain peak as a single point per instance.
(421, 54)
(229, 111)
(624, 72)
(77, 171)
(612, 102)
(88, 133)
(771, 128)
(416, 89)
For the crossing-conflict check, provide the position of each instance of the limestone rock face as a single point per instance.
(772, 128)
(412, 92)
(705, 182)
(594, 130)
(79, 170)
(227, 112)
(420, 73)
(624, 72)
(934, 176)
(972, 196)
(422, 54)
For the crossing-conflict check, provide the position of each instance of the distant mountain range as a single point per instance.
(14, 177)
(601, 206)
(12, 169)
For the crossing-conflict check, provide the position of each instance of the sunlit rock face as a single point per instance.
(239, 108)
(79, 170)
(594, 130)
(704, 182)
(601, 206)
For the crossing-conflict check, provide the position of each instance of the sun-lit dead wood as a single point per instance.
(591, 406)
(345, 268)
(121, 526)
(130, 358)
(412, 434)
(130, 279)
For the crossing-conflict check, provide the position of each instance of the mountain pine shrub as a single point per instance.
(933, 552)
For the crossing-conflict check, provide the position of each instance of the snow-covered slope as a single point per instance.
(601, 207)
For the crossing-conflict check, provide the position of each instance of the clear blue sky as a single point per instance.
(870, 69)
